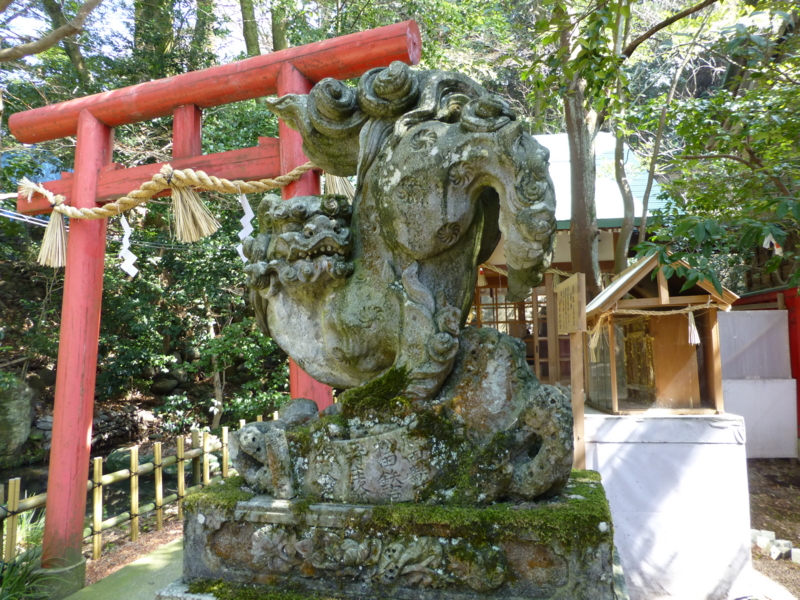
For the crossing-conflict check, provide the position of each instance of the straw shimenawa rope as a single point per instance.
(193, 219)
(594, 332)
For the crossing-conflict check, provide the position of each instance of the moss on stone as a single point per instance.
(225, 590)
(572, 518)
(223, 496)
(469, 469)
(381, 395)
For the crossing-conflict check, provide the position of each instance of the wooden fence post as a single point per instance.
(206, 471)
(97, 508)
(159, 488)
(3, 520)
(181, 477)
(13, 506)
(134, 493)
(224, 452)
(242, 423)
(196, 460)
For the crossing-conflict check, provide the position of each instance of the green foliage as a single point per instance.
(30, 529)
(732, 185)
(19, 579)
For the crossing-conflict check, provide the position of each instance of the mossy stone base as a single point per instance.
(560, 548)
(64, 581)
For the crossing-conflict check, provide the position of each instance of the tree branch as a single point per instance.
(4, 4)
(754, 164)
(630, 48)
(744, 161)
(52, 38)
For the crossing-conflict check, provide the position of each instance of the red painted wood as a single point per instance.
(77, 354)
(187, 132)
(343, 58)
(258, 162)
(292, 81)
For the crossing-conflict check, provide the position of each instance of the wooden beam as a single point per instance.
(663, 288)
(344, 57)
(187, 132)
(612, 356)
(640, 303)
(553, 351)
(687, 300)
(715, 385)
(247, 164)
(656, 302)
(577, 382)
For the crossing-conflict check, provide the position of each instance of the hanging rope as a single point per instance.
(193, 219)
(596, 330)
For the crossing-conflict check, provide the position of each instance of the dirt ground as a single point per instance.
(774, 506)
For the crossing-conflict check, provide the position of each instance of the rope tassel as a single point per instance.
(193, 220)
(53, 252)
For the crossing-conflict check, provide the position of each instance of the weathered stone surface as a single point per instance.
(164, 386)
(15, 417)
(379, 291)
(299, 412)
(554, 549)
(492, 433)
(443, 168)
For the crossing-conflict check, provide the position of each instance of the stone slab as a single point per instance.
(559, 549)
(139, 580)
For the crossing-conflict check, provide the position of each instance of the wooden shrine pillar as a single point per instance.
(77, 354)
(292, 81)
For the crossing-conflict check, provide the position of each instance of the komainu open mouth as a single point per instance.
(309, 237)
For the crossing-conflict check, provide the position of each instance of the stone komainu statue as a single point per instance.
(374, 296)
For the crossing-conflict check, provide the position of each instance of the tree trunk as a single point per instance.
(201, 39)
(581, 125)
(219, 386)
(623, 243)
(71, 46)
(583, 221)
(279, 41)
(153, 34)
(250, 27)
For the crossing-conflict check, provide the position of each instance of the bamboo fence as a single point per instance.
(202, 447)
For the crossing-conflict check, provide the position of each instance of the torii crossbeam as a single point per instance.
(97, 180)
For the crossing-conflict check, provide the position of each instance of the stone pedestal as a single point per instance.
(559, 548)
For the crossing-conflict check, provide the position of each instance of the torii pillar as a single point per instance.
(98, 180)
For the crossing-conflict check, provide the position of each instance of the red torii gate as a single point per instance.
(98, 180)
